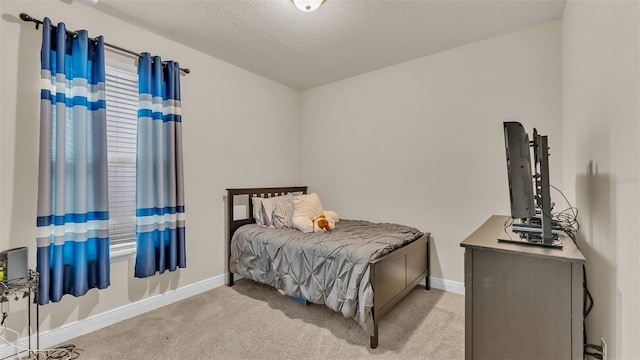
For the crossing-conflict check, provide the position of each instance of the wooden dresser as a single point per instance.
(522, 301)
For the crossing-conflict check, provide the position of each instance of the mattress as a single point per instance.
(330, 268)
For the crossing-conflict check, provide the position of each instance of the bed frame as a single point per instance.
(393, 276)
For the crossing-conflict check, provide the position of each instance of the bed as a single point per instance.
(393, 266)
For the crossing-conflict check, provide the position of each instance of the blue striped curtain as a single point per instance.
(160, 232)
(73, 217)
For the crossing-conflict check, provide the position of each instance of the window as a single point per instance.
(121, 90)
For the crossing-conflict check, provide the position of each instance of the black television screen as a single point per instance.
(529, 186)
(521, 193)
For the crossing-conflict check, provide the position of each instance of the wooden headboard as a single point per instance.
(233, 225)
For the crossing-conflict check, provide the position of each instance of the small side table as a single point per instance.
(9, 290)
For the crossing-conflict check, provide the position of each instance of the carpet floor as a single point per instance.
(253, 321)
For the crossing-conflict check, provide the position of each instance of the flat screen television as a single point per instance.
(529, 188)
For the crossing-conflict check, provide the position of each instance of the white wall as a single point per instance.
(601, 128)
(230, 117)
(421, 143)
(418, 143)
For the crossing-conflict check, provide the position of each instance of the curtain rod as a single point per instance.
(28, 18)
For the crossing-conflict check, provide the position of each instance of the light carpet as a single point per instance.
(253, 321)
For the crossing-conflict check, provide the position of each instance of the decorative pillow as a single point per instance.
(282, 215)
(269, 205)
(308, 206)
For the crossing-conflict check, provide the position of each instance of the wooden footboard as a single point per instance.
(395, 275)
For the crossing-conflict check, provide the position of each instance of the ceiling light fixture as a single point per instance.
(308, 5)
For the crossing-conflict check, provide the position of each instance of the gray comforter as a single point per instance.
(329, 268)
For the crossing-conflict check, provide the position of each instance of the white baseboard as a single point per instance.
(69, 331)
(447, 285)
(77, 328)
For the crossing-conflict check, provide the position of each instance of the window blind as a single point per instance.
(121, 89)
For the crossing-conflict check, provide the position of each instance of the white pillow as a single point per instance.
(257, 210)
(308, 206)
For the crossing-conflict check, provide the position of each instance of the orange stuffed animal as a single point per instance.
(325, 222)
(321, 223)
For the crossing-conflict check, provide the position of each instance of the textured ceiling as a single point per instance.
(343, 38)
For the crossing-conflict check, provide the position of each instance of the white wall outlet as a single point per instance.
(604, 348)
